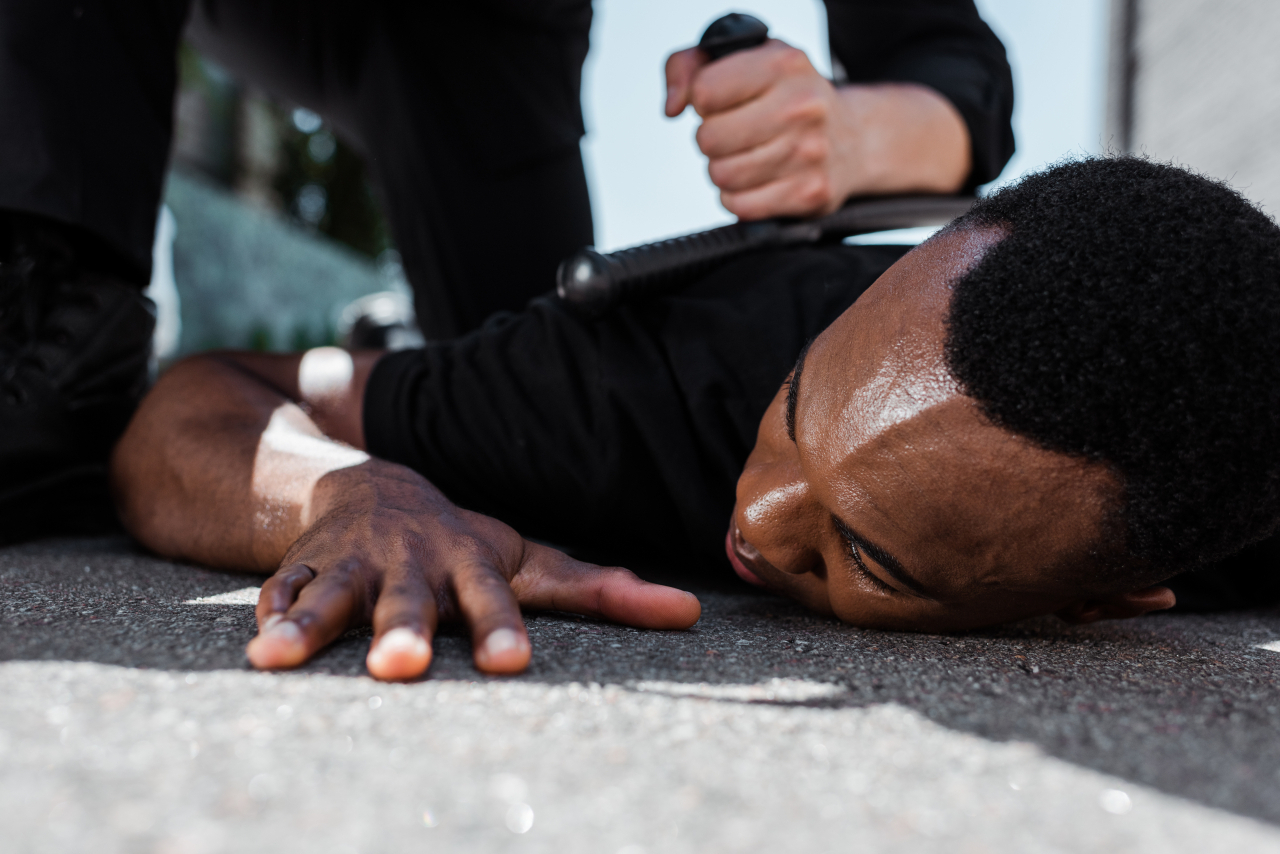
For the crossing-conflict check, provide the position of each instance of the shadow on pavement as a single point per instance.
(1188, 704)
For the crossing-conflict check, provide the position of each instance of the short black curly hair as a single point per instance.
(1131, 316)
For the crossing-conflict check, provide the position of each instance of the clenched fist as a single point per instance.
(783, 141)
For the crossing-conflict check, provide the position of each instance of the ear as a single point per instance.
(1120, 606)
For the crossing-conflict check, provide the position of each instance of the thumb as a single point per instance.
(551, 580)
(681, 68)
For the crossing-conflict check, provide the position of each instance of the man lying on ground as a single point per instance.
(1063, 399)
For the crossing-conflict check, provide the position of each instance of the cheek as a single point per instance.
(859, 604)
(868, 609)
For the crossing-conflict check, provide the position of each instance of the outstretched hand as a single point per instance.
(388, 548)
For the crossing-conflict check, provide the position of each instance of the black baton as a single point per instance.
(593, 282)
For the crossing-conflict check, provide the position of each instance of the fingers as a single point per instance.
(784, 156)
(802, 194)
(554, 581)
(747, 74)
(681, 68)
(323, 610)
(280, 591)
(790, 107)
(404, 623)
(499, 641)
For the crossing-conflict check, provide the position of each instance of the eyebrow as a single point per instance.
(793, 391)
(889, 562)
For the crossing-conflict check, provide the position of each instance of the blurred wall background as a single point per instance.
(1198, 82)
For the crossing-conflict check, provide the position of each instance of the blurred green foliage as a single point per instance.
(351, 214)
(321, 183)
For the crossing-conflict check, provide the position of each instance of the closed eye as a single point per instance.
(875, 580)
(854, 550)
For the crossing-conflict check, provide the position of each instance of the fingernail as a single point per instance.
(401, 640)
(500, 641)
(269, 623)
(282, 629)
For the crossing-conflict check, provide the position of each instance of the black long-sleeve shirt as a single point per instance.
(624, 436)
(943, 44)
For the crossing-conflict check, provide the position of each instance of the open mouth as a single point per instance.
(734, 546)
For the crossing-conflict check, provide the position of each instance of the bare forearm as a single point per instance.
(219, 467)
(908, 139)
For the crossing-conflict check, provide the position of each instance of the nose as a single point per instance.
(775, 516)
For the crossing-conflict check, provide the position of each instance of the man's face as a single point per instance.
(895, 503)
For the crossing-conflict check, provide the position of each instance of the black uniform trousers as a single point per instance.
(468, 115)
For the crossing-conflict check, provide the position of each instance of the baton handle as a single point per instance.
(594, 282)
(731, 33)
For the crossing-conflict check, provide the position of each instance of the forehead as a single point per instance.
(887, 438)
(882, 362)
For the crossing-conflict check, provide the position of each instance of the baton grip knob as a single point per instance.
(734, 32)
(593, 282)
(585, 280)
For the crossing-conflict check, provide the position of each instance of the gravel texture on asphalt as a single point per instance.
(129, 722)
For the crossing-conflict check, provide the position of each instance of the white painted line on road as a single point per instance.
(243, 596)
(1270, 646)
(785, 690)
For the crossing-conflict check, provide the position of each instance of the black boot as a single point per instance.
(75, 336)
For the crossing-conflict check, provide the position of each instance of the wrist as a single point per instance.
(898, 138)
(370, 483)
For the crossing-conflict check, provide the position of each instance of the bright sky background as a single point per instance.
(648, 179)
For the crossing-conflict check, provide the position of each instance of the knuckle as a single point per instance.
(816, 192)
(734, 204)
(619, 572)
(298, 573)
(347, 570)
(705, 137)
(306, 619)
(807, 108)
(722, 174)
(488, 581)
(789, 60)
(401, 590)
(813, 148)
(701, 94)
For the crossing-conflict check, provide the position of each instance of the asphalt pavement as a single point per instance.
(129, 722)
